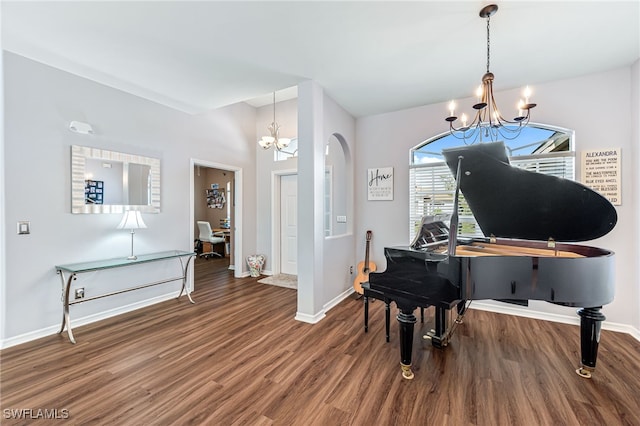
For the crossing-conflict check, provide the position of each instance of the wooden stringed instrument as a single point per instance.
(364, 268)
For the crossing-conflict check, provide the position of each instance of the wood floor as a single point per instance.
(237, 357)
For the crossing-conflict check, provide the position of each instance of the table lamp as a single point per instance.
(132, 219)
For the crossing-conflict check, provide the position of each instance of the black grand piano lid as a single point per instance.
(511, 202)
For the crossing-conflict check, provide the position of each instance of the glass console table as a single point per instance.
(73, 269)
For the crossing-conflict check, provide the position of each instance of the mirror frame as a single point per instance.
(79, 155)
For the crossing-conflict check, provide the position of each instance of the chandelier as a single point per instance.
(274, 128)
(489, 121)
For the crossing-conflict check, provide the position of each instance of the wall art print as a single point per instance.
(93, 191)
(380, 184)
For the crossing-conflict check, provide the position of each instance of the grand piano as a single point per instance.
(530, 221)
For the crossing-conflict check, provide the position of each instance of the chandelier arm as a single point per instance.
(498, 119)
(509, 134)
(465, 134)
(495, 116)
(471, 127)
(275, 128)
(475, 123)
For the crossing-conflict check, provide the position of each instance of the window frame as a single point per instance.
(438, 197)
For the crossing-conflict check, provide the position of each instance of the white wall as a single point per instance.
(3, 268)
(635, 184)
(39, 103)
(338, 250)
(323, 277)
(595, 106)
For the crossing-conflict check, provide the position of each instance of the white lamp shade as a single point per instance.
(283, 142)
(266, 141)
(132, 219)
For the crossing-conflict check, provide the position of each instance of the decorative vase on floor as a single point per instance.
(255, 263)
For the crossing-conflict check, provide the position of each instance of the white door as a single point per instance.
(289, 224)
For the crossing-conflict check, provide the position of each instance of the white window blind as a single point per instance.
(432, 188)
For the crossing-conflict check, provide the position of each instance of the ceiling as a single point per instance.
(370, 57)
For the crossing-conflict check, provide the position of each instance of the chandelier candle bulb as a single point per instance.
(520, 107)
(527, 94)
(479, 93)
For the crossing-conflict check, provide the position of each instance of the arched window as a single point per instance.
(540, 148)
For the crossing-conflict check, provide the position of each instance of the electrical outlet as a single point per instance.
(23, 227)
(80, 293)
(351, 269)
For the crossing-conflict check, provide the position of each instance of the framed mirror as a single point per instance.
(111, 182)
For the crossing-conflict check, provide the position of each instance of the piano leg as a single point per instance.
(590, 324)
(439, 334)
(462, 309)
(406, 320)
(387, 316)
(366, 313)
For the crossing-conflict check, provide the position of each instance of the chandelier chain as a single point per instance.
(488, 43)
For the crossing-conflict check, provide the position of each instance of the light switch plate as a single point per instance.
(23, 227)
(341, 219)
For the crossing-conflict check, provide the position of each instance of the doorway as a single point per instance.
(289, 224)
(284, 222)
(216, 197)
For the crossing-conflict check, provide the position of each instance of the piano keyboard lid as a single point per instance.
(511, 202)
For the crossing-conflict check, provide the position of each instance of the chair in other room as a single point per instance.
(209, 240)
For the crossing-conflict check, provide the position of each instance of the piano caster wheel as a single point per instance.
(584, 372)
(406, 371)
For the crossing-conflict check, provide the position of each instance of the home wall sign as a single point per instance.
(380, 183)
(601, 172)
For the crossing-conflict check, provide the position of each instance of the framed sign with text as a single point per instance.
(601, 172)
(380, 184)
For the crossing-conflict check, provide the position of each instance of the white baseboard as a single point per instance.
(339, 298)
(564, 319)
(311, 319)
(78, 322)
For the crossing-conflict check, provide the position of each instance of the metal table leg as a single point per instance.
(66, 288)
(185, 270)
